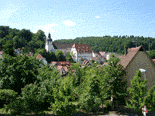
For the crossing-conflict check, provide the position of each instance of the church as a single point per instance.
(80, 51)
(54, 46)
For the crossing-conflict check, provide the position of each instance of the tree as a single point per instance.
(40, 35)
(15, 70)
(50, 56)
(69, 57)
(149, 99)
(59, 55)
(25, 35)
(8, 48)
(151, 53)
(7, 96)
(63, 98)
(90, 100)
(137, 92)
(113, 84)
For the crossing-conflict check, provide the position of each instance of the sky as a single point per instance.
(68, 19)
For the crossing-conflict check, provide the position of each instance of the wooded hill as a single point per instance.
(32, 41)
(114, 44)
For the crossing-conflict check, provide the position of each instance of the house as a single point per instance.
(83, 51)
(80, 51)
(85, 63)
(41, 58)
(135, 59)
(61, 66)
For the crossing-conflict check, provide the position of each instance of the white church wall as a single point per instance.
(84, 56)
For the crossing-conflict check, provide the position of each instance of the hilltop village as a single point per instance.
(72, 78)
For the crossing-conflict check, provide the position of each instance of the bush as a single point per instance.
(63, 108)
(16, 107)
(89, 103)
(7, 96)
(150, 99)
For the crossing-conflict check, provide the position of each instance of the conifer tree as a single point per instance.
(137, 92)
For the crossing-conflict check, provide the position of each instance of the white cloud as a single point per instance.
(46, 28)
(69, 23)
(97, 17)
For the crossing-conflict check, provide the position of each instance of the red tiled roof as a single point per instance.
(153, 60)
(60, 63)
(1, 52)
(60, 67)
(85, 62)
(125, 60)
(102, 53)
(39, 56)
(82, 48)
(105, 64)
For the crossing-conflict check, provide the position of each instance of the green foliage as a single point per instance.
(35, 98)
(15, 70)
(89, 103)
(69, 57)
(63, 97)
(7, 96)
(90, 99)
(60, 56)
(16, 107)
(113, 44)
(8, 48)
(113, 84)
(64, 108)
(137, 92)
(50, 56)
(151, 53)
(149, 99)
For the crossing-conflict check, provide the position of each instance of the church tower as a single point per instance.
(49, 44)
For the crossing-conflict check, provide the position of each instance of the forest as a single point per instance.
(115, 44)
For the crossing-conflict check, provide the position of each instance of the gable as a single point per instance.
(142, 61)
(126, 59)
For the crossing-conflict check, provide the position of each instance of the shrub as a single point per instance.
(63, 108)
(7, 96)
(89, 103)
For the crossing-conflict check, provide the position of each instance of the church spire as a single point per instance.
(49, 36)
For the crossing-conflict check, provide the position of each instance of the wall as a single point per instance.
(74, 53)
(141, 60)
(49, 47)
(84, 56)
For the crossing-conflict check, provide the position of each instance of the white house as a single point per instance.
(83, 51)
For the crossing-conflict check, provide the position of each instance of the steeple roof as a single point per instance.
(49, 37)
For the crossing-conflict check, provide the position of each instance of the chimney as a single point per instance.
(126, 50)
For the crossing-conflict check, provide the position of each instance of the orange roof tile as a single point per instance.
(153, 60)
(39, 56)
(82, 48)
(1, 52)
(102, 53)
(125, 60)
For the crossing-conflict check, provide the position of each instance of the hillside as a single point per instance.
(113, 44)
(32, 41)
